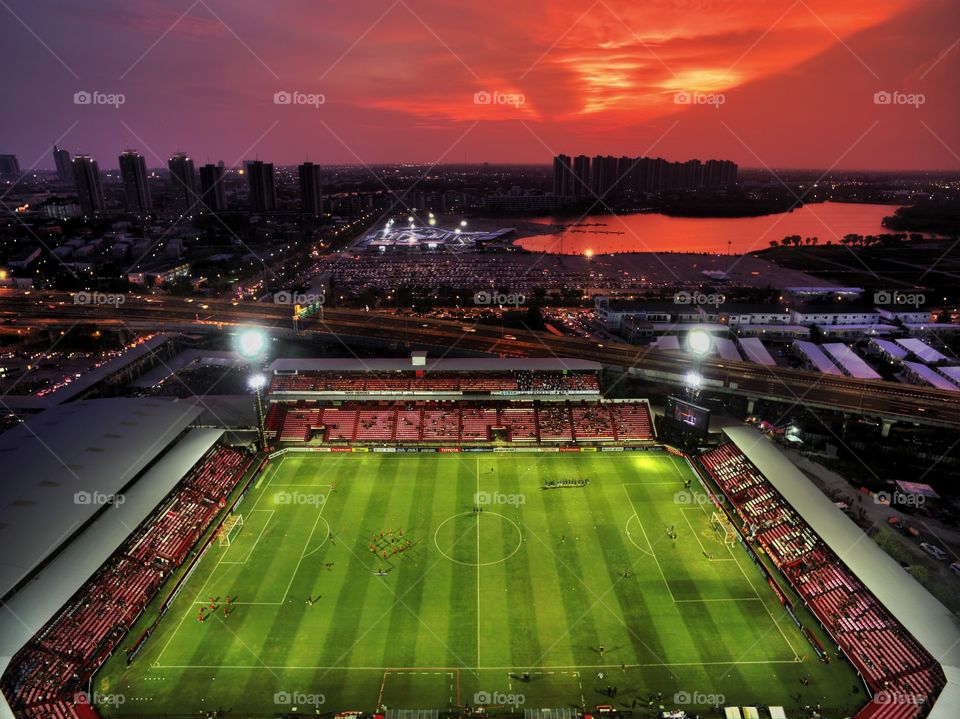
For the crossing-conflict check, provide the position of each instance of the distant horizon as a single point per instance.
(543, 165)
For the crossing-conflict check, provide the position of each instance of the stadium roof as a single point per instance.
(88, 379)
(31, 607)
(817, 358)
(170, 367)
(755, 351)
(88, 446)
(432, 365)
(931, 623)
(850, 361)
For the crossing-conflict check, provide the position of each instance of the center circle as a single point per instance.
(478, 539)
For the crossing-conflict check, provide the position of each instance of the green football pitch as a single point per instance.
(623, 582)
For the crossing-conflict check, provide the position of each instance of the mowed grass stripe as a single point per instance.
(550, 627)
(514, 597)
(622, 596)
(423, 622)
(459, 541)
(557, 542)
(658, 620)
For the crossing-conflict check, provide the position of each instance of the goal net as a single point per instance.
(230, 529)
(723, 527)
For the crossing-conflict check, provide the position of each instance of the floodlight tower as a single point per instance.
(252, 346)
(699, 344)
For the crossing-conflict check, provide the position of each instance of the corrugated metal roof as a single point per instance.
(453, 364)
(91, 446)
(931, 623)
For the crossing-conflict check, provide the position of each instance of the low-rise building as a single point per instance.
(839, 313)
(158, 275)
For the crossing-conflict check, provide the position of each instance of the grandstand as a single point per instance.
(70, 461)
(311, 378)
(98, 468)
(453, 401)
(459, 422)
(901, 640)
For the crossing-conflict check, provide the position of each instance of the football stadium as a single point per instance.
(414, 537)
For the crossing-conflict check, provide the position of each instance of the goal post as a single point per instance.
(722, 525)
(230, 528)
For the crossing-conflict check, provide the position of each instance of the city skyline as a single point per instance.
(862, 86)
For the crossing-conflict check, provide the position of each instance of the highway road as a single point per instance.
(22, 309)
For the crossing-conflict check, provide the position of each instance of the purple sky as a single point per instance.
(777, 83)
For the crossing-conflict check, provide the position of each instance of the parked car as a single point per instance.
(933, 550)
(955, 568)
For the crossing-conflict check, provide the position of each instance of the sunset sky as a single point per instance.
(775, 83)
